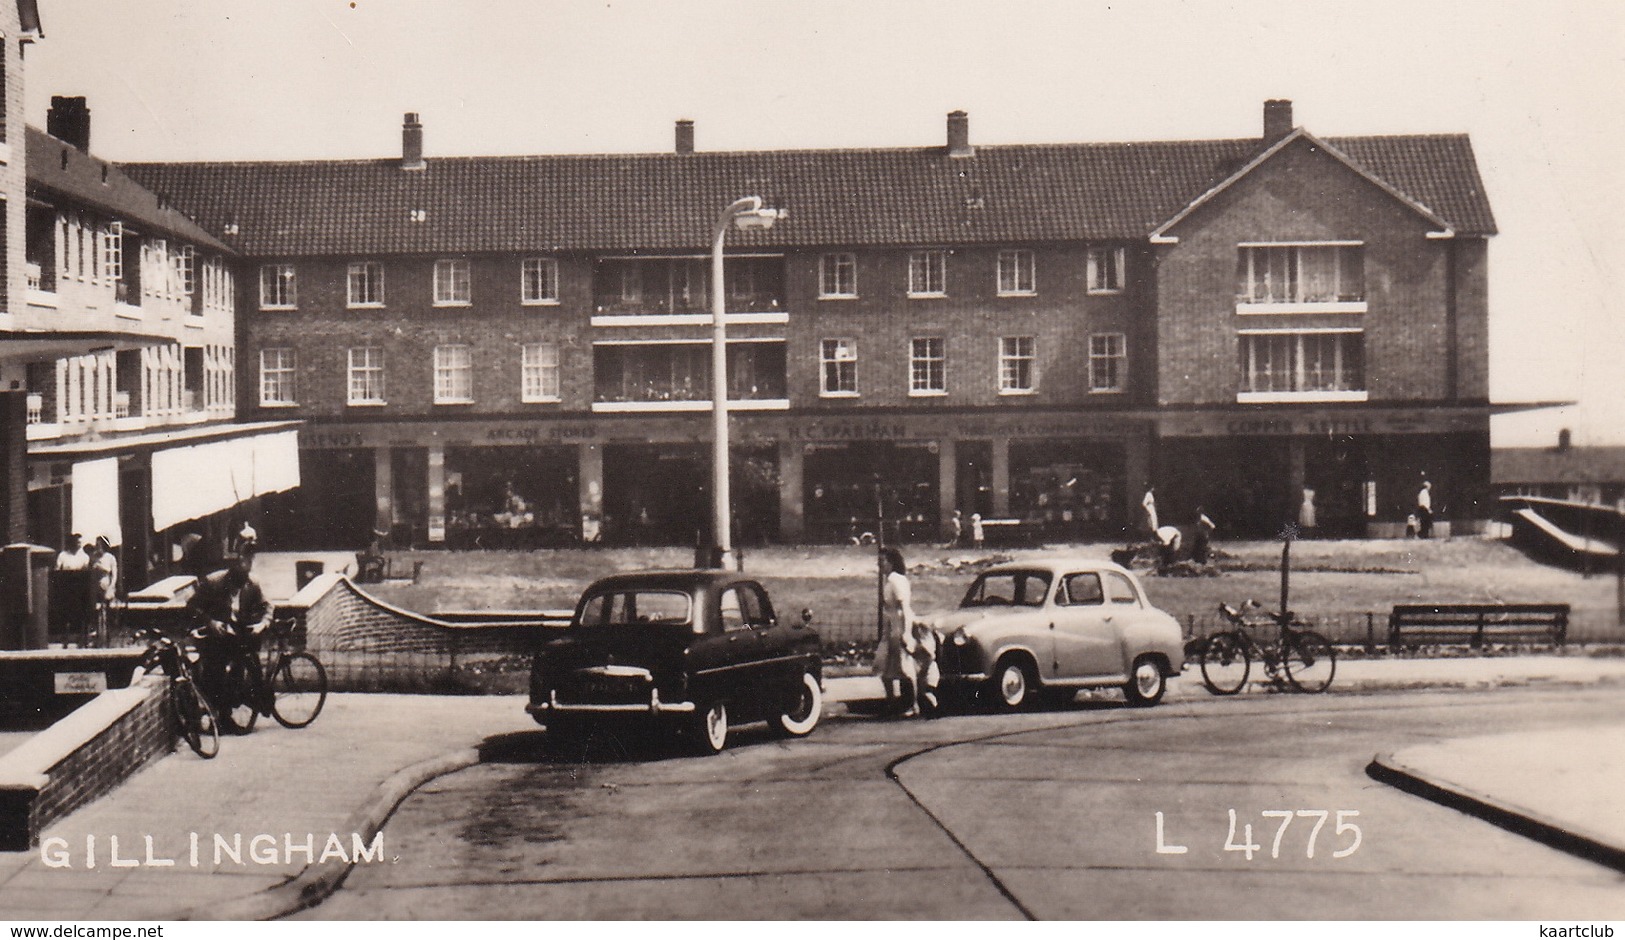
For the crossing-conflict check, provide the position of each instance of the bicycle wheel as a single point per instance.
(298, 690)
(196, 719)
(1310, 661)
(238, 711)
(1225, 664)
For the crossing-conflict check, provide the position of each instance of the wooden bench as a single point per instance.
(1477, 624)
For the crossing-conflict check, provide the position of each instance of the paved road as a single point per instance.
(1049, 815)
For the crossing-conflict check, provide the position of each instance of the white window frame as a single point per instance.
(1017, 273)
(1256, 292)
(1297, 367)
(539, 377)
(112, 251)
(1011, 356)
(542, 273)
(366, 274)
(185, 259)
(928, 273)
(365, 375)
(926, 365)
(842, 353)
(1107, 278)
(279, 377)
(272, 278)
(453, 374)
(838, 276)
(1115, 352)
(453, 282)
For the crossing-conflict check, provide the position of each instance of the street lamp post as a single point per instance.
(747, 213)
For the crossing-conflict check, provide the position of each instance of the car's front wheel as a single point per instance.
(1014, 684)
(710, 729)
(801, 717)
(1146, 683)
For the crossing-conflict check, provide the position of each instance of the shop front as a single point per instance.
(1323, 473)
(646, 479)
(499, 497)
(1068, 489)
(855, 487)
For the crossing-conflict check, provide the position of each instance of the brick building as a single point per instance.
(117, 349)
(511, 350)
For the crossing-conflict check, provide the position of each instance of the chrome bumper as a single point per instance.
(652, 707)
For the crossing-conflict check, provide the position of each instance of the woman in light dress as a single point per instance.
(892, 660)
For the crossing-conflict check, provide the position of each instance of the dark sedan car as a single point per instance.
(695, 651)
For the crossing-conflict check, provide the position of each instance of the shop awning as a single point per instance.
(95, 500)
(196, 481)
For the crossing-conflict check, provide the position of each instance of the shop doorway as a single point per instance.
(1336, 471)
(657, 494)
(339, 490)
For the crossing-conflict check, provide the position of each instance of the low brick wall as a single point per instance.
(339, 616)
(81, 758)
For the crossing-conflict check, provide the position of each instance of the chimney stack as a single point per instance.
(412, 143)
(69, 121)
(959, 135)
(685, 136)
(1277, 119)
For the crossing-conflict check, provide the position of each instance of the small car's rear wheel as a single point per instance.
(1146, 683)
(802, 715)
(710, 729)
(1014, 684)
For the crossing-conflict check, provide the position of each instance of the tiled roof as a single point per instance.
(1004, 194)
(58, 167)
(1510, 465)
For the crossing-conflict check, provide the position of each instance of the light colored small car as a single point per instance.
(1042, 629)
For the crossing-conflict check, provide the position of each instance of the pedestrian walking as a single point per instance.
(978, 534)
(1424, 510)
(956, 529)
(894, 667)
(1306, 513)
(1148, 504)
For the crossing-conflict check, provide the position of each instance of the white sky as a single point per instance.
(1540, 86)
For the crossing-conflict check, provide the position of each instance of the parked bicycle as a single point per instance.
(281, 680)
(1298, 657)
(193, 716)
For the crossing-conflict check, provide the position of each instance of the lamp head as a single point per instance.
(760, 218)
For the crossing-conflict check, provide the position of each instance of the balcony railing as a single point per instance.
(1289, 294)
(677, 306)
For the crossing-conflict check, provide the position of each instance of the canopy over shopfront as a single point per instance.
(201, 479)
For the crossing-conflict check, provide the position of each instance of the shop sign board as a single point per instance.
(1322, 423)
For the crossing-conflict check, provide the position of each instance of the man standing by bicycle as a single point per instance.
(231, 607)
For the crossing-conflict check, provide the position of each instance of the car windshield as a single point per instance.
(624, 607)
(999, 588)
